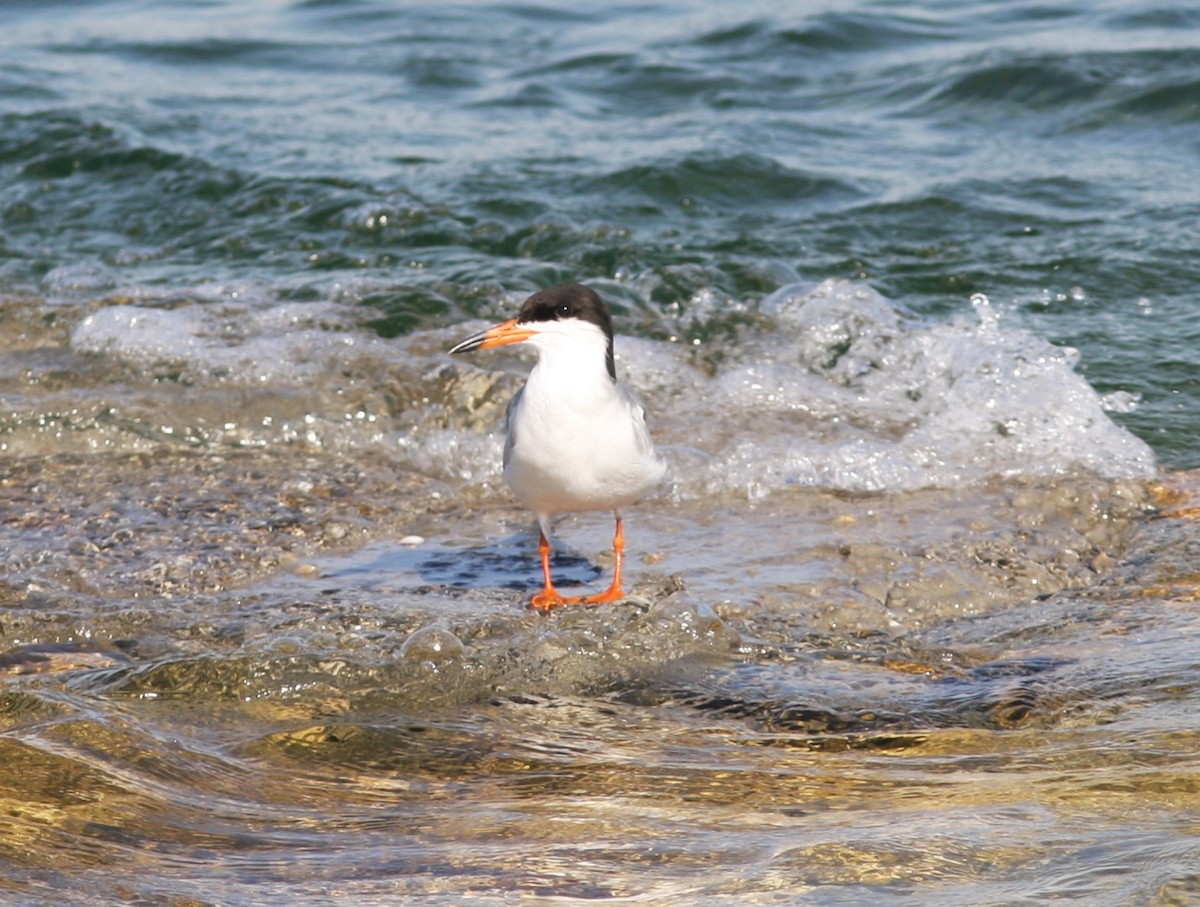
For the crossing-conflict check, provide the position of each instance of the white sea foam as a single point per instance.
(231, 341)
(829, 386)
(886, 401)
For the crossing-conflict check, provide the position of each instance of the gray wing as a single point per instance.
(645, 445)
(510, 427)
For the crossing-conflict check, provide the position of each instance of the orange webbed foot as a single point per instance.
(607, 597)
(549, 599)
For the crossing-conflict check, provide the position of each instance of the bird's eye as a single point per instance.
(563, 311)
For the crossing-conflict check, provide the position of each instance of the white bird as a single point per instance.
(577, 438)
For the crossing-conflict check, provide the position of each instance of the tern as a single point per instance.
(576, 437)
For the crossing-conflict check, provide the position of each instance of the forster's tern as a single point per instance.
(577, 438)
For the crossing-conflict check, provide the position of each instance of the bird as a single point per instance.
(576, 438)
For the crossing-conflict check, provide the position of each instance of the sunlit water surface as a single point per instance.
(908, 291)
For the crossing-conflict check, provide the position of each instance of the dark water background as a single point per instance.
(910, 291)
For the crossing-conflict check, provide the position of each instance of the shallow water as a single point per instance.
(909, 294)
(946, 716)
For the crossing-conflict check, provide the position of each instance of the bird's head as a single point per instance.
(569, 319)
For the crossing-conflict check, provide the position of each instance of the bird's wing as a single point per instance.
(638, 413)
(510, 425)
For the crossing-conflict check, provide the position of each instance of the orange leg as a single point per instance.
(548, 598)
(614, 593)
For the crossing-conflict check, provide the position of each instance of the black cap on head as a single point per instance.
(571, 300)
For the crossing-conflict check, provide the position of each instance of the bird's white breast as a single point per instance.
(577, 439)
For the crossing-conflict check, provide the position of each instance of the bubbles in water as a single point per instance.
(432, 647)
(988, 319)
(1120, 401)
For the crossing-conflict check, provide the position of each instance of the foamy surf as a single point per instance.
(828, 386)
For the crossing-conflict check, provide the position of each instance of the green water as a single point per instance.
(418, 159)
(911, 619)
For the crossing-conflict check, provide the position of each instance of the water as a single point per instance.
(909, 292)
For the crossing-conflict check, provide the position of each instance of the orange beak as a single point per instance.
(498, 335)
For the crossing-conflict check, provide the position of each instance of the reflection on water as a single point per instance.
(289, 662)
(913, 619)
(375, 728)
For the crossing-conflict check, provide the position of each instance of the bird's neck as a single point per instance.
(576, 363)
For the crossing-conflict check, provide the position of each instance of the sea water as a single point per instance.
(909, 294)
